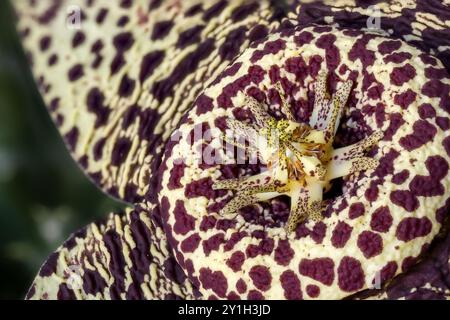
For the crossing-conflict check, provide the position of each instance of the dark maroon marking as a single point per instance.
(255, 295)
(117, 63)
(241, 286)
(332, 56)
(398, 57)
(318, 232)
(78, 39)
(117, 262)
(207, 223)
(75, 73)
(190, 36)
(120, 151)
(161, 29)
(164, 88)
(436, 73)
(83, 161)
(389, 46)
(356, 210)
(236, 261)
(204, 104)
(427, 59)
(200, 188)
(341, 234)
(233, 42)
(381, 220)
(54, 104)
(154, 4)
(213, 243)
(214, 10)
(350, 275)
(257, 34)
(225, 224)
(234, 239)
(388, 271)
(195, 9)
(312, 290)
(408, 262)
(320, 269)
(303, 38)
(214, 280)
(102, 13)
(441, 213)
(411, 228)
(370, 244)
(270, 47)
(95, 102)
(283, 253)
(233, 296)
(123, 21)
(123, 41)
(291, 285)
(93, 282)
(400, 75)
(437, 89)
(265, 247)
(298, 67)
(126, 86)
(126, 3)
(443, 123)
(404, 199)
(429, 186)
(404, 99)
(396, 121)
(261, 277)
(176, 174)
(386, 164)
(48, 15)
(52, 60)
(71, 138)
(149, 63)
(50, 265)
(191, 243)
(64, 293)
(130, 116)
(359, 51)
(184, 222)
(148, 120)
(243, 11)
(446, 144)
(45, 43)
(423, 132)
(401, 177)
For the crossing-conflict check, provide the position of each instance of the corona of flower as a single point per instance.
(301, 161)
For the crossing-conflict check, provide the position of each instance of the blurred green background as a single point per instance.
(43, 194)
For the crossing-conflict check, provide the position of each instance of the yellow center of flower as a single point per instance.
(300, 158)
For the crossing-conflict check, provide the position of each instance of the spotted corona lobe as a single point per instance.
(375, 222)
(117, 76)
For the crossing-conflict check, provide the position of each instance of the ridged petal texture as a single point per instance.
(117, 76)
(124, 257)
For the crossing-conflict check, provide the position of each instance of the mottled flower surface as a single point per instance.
(372, 227)
(130, 83)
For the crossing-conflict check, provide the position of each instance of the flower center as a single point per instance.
(300, 158)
